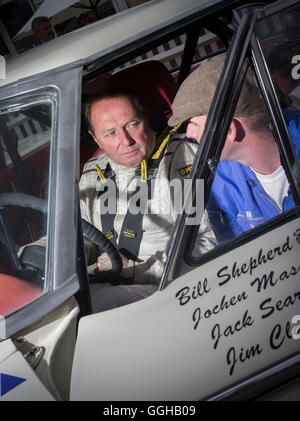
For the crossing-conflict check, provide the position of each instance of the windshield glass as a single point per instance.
(25, 137)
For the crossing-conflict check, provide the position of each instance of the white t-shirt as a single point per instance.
(275, 185)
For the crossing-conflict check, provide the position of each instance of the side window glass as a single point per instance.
(25, 137)
(250, 185)
(31, 130)
(279, 36)
(279, 39)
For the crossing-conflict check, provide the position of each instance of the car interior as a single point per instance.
(29, 174)
(152, 83)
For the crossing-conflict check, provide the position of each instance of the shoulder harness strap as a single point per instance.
(131, 232)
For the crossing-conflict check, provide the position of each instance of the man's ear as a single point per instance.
(93, 136)
(236, 131)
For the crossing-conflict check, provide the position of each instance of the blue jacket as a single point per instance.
(238, 201)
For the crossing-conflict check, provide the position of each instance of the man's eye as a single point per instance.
(110, 134)
(133, 125)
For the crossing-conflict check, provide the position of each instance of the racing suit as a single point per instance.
(159, 219)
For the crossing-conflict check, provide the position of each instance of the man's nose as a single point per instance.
(126, 139)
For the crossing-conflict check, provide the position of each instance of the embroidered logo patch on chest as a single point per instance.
(184, 171)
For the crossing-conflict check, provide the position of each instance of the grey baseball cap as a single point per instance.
(196, 93)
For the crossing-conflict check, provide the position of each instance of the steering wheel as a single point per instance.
(35, 203)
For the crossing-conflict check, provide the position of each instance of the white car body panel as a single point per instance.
(121, 354)
(98, 38)
(56, 334)
(31, 389)
(7, 349)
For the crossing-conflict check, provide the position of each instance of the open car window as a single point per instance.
(153, 77)
(250, 185)
(250, 192)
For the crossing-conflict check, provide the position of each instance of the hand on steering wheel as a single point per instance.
(35, 203)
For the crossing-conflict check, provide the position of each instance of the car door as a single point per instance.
(38, 222)
(222, 323)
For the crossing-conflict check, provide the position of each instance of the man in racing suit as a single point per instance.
(132, 158)
(250, 185)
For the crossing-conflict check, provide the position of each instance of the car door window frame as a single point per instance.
(180, 257)
(179, 260)
(282, 137)
(62, 279)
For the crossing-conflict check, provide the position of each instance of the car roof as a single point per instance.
(104, 36)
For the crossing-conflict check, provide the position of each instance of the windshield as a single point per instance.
(25, 137)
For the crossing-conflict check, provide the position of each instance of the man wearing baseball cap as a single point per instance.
(250, 185)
